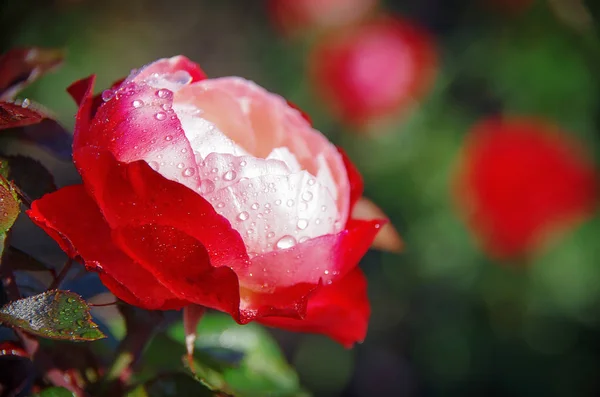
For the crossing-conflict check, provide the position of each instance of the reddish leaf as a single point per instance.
(21, 66)
(14, 115)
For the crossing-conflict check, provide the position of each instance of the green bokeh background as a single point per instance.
(447, 320)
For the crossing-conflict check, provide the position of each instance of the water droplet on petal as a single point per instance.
(160, 116)
(326, 272)
(323, 208)
(242, 163)
(254, 206)
(154, 165)
(137, 103)
(180, 166)
(307, 196)
(207, 187)
(270, 235)
(311, 182)
(163, 93)
(189, 172)
(277, 202)
(290, 203)
(168, 138)
(303, 239)
(242, 216)
(302, 224)
(250, 231)
(221, 205)
(229, 175)
(285, 242)
(107, 95)
(166, 106)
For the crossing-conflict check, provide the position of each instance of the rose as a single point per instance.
(213, 192)
(522, 181)
(370, 73)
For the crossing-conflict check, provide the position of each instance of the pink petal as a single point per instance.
(139, 124)
(325, 258)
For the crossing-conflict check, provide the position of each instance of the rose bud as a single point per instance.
(373, 71)
(520, 182)
(292, 17)
(213, 192)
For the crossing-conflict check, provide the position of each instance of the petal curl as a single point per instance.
(138, 123)
(181, 262)
(327, 258)
(132, 194)
(340, 311)
(72, 218)
(166, 66)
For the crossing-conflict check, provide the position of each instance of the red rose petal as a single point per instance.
(181, 262)
(340, 311)
(133, 194)
(71, 217)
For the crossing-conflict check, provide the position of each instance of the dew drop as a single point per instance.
(154, 165)
(242, 163)
(26, 102)
(290, 203)
(189, 172)
(254, 206)
(267, 205)
(160, 116)
(326, 272)
(249, 231)
(318, 221)
(270, 235)
(307, 196)
(180, 166)
(207, 187)
(311, 182)
(163, 93)
(302, 224)
(242, 216)
(221, 205)
(137, 103)
(168, 138)
(303, 239)
(285, 242)
(214, 170)
(107, 95)
(229, 175)
(166, 106)
(323, 208)
(277, 202)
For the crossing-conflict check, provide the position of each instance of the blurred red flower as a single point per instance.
(522, 181)
(373, 71)
(296, 16)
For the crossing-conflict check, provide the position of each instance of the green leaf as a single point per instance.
(54, 314)
(246, 361)
(9, 206)
(54, 392)
(171, 385)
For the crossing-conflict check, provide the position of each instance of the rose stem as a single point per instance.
(63, 272)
